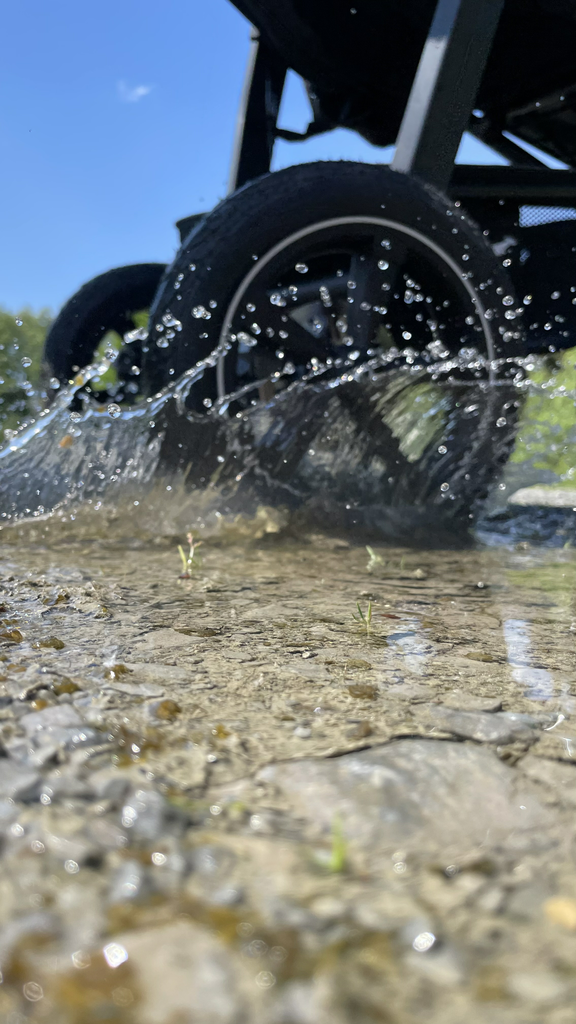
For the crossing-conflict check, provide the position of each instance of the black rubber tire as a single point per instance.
(106, 303)
(259, 216)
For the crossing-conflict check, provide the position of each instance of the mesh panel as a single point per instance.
(532, 215)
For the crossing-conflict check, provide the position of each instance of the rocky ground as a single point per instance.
(226, 800)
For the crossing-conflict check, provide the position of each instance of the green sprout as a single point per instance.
(374, 559)
(190, 561)
(364, 619)
(337, 861)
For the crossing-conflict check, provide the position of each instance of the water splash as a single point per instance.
(390, 447)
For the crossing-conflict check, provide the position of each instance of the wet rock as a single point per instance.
(498, 727)
(130, 883)
(183, 973)
(163, 677)
(73, 850)
(18, 782)
(559, 744)
(540, 987)
(106, 834)
(213, 876)
(433, 798)
(185, 767)
(144, 813)
(55, 727)
(28, 926)
(556, 779)
(110, 784)
(64, 786)
(458, 700)
(56, 717)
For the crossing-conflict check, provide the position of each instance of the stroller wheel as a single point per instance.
(106, 303)
(327, 262)
(311, 271)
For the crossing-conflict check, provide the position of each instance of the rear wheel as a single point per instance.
(106, 303)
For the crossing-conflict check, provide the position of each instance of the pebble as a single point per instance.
(414, 794)
(303, 732)
(183, 972)
(540, 987)
(496, 727)
(18, 782)
(55, 717)
(561, 910)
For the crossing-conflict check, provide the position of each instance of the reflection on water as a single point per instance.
(538, 681)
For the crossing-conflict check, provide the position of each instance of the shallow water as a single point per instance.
(305, 780)
(231, 799)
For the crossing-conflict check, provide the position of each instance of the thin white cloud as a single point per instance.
(132, 94)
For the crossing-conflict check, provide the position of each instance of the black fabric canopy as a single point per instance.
(360, 56)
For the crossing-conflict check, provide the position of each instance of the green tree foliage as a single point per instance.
(547, 429)
(21, 340)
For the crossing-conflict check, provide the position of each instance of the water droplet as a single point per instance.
(423, 942)
(201, 313)
(283, 334)
(26, 361)
(386, 243)
(18, 322)
(442, 449)
(54, 383)
(114, 410)
(301, 268)
(277, 299)
(506, 263)
(255, 328)
(170, 321)
(162, 343)
(114, 954)
(191, 266)
(246, 339)
(406, 335)
(33, 991)
(508, 300)
(250, 307)
(444, 487)
(527, 300)
(470, 320)
(138, 334)
(351, 284)
(501, 421)
(265, 979)
(365, 306)
(383, 265)
(207, 402)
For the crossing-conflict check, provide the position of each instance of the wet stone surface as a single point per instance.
(225, 799)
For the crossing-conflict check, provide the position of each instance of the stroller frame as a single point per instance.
(440, 108)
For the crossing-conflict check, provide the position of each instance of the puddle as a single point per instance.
(288, 777)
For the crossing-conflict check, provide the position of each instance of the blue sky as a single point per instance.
(117, 118)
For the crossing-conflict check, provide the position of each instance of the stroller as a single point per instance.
(331, 262)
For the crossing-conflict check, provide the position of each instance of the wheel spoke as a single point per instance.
(363, 300)
(277, 322)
